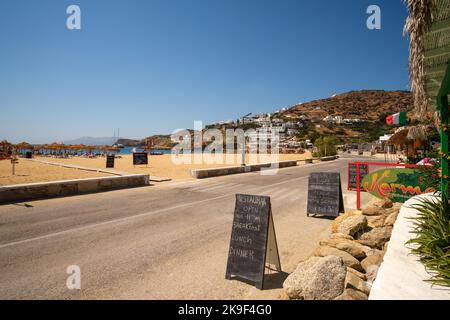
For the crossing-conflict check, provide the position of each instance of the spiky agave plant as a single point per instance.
(432, 241)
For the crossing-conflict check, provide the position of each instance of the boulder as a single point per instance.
(373, 211)
(352, 247)
(351, 294)
(352, 281)
(372, 252)
(372, 272)
(376, 237)
(372, 260)
(349, 260)
(374, 202)
(375, 221)
(360, 275)
(340, 236)
(336, 222)
(386, 203)
(316, 279)
(381, 203)
(352, 225)
(390, 220)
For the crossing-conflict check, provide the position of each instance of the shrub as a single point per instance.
(326, 146)
(432, 241)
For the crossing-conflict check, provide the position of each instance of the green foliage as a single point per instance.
(326, 146)
(432, 241)
(371, 130)
(431, 174)
(313, 135)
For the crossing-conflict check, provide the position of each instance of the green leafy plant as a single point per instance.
(326, 146)
(431, 173)
(432, 241)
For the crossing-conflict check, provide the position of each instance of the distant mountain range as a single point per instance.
(92, 141)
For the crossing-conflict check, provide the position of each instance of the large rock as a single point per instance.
(373, 211)
(372, 260)
(386, 203)
(352, 225)
(376, 237)
(352, 247)
(337, 221)
(351, 294)
(349, 260)
(381, 203)
(317, 279)
(360, 275)
(372, 272)
(390, 220)
(354, 282)
(340, 236)
(375, 221)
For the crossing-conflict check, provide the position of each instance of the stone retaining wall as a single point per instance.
(215, 172)
(33, 191)
(346, 263)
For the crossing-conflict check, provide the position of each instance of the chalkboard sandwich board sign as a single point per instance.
(110, 161)
(28, 155)
(363, 171)
(325, 194)
(253, 244)
(140, 158)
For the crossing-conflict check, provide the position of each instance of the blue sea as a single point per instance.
(127, 150)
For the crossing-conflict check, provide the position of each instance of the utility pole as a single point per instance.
(243, 143)
(14, 161)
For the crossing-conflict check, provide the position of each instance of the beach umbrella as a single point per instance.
(417, 133)
(399, 137)
(24, 146)
(5, 147)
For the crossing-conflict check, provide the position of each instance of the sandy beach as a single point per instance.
(159, 165)
(28, 172)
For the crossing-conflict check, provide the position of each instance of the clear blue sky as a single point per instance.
(150, 67)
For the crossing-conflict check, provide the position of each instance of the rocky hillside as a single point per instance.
(367, 105)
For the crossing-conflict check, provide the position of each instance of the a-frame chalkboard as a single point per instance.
(110, 161)
(325, 194)
(253, 244)
(352, 181)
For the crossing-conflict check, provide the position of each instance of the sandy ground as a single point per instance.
(29, 172)
(160, 166)
(163, 166)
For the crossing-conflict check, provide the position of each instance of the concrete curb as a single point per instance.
(216, 172)
(43, 190)
(328, 158)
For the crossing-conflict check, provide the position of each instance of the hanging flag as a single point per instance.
(389, 120)
(398, 118)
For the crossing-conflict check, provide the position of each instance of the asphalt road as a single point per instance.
(166, 241)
